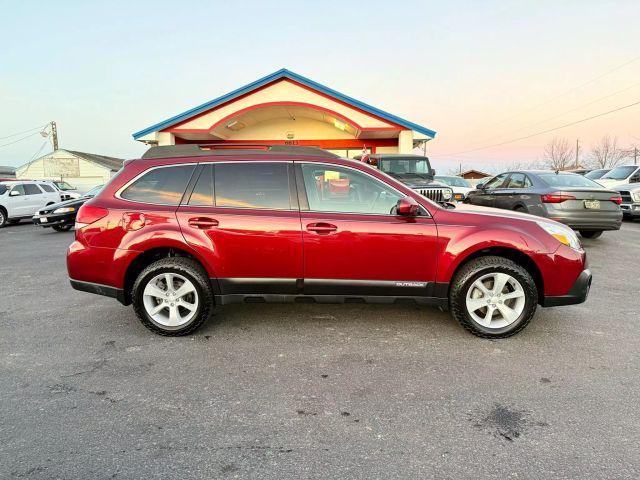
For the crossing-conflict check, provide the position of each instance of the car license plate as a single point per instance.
(44, 219)
(593, 204)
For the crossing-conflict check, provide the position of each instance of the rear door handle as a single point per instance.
(203, 223)
(322, 228)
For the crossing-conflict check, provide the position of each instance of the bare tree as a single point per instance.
(606, 154)
(558, 154)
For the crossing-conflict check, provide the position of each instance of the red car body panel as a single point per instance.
(247, 243)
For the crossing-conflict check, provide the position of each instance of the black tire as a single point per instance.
(61, 228)
(189, 269)
(3, 217)
(521, 209)
(592, 234)
(478, 267)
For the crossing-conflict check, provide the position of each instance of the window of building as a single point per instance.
(164, 185)
(337, 189)
(252, 185)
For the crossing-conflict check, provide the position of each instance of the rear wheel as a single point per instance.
(591, 233)
(173, 296)
(493, 297)
(61, 228)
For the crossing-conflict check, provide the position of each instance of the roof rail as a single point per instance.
(201, 150)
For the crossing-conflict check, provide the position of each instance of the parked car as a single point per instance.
(186, 228)
(630, 194)
(460, 186)
(621, 175)
(413, 170)
(62, 216)
(568, 198)
(596, 174)
(21, 199)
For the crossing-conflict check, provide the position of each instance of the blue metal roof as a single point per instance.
(283, 73)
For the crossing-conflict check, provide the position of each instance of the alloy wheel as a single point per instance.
(495, 300)
(170, 299)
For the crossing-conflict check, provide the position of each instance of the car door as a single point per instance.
(244, 218)
(353, 242)
(18, 204)
(485, 197)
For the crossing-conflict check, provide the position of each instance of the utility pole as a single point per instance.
(635, 155)
(577, 151)
(54, 135)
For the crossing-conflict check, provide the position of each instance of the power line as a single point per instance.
(545, 131)
(20, 139)
(20, 133)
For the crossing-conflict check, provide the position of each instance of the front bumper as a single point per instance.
(630, 209)
(50, 220)
(577, 294)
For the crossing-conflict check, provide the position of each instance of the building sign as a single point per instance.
(61, 167)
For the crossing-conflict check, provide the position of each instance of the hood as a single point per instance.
(609, 182)
(74, 202)
(627, 187)
(413, 180)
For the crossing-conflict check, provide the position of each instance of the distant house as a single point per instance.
(80, 169)
(474, 176)
(7, 172)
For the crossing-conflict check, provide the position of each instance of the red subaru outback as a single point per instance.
(188, 227)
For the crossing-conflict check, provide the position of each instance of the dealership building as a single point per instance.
(287, 108)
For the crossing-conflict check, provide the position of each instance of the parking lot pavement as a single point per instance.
(314, 391)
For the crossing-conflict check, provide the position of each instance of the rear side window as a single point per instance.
(160, 186)
(252, 185)
(47, 188)
(519, 180)
(202, 194)
(31, 189)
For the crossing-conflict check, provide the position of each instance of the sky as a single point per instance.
(479, 73)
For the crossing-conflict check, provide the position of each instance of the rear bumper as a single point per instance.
(98, 289)
(577, 294)
(585, 220)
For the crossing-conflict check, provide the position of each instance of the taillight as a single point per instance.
(556, 198)
(89, 214)
(616, 199)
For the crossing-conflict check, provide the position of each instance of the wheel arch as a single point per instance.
(510, 253)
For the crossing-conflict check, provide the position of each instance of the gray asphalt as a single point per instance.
(309, 391)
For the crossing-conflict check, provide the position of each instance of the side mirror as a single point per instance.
(407, 207)
(14, 193)
(433, 172)
(480, 186)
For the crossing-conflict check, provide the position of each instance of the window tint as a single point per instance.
(337, 189)
(519, 180)
(3, 189)
(164, 185)
(18, 188)
(620, 173)
(252, 185)
(47, 188)
(31, 189)
(203, 190)
(496, 182)
(567, 180)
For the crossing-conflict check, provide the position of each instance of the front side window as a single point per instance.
(31, 189)
(519, 180)
(496, 182)
(47, 188)
(336, 189)
(18, 188)
(160, 186)
(252, 185)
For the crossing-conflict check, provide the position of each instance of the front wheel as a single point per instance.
(493, 297)
(172, 296)
(591, 233)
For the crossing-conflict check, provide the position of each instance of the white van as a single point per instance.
(620, 176)
(21, 199)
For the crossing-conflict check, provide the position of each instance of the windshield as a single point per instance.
(94, 191)
(596, 174)
(620, 173)
(3, 188)
(64, 186)
(454, 181)
(405, 166)
(567, 180)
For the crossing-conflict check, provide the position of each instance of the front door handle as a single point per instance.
(203, 223)
(322, 228)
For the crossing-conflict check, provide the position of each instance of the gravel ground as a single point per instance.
(313, 391)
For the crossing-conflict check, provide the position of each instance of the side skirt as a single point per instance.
(275, 298)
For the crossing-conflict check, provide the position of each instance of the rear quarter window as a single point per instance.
(160, 186)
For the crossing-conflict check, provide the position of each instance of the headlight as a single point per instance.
(447, 194)
(64, 210)
(562, 233)
(636, 197)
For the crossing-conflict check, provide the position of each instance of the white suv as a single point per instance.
(21, 199)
